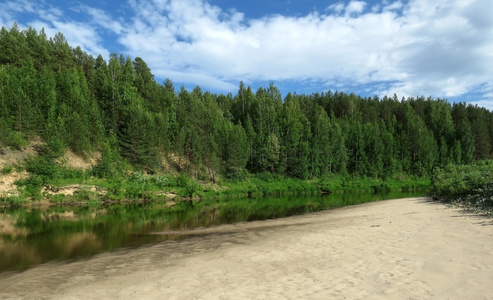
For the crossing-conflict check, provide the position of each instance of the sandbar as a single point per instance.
(410, 248)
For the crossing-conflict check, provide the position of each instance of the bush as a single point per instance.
(139, 177)
(82, 195)
(42, 166)
(192, 188)
(70, 173)
(162, 181)
(16, 140)
(58, 198)
(13, 200)
(133, 192)
(469, 184)
(115, 191)
(32, 185)
(181, 180)
(265, 176)
(7, 170)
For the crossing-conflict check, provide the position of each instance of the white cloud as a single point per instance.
(355, 7)
(9, 10)
(337, 7)
(441, 48)
(351, 9)
(101, 18)
(51, 19)
(397, 5)
(76, 34)
(426, 48)
(488, 104)
(272, 48)
(80, 34)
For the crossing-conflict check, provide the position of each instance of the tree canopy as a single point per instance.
(74, 101)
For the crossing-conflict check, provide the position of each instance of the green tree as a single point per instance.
(320, 159)
(235, 150)
(296, 139)
(421, 145)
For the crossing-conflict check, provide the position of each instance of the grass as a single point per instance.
(255, 186)
(13, 201)
(128, 186)
(365, 184)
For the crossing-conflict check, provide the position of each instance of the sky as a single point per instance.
(411, 48)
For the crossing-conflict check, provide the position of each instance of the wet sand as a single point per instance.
(396, 249)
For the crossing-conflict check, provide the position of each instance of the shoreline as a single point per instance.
(91, 192)
(404, 248)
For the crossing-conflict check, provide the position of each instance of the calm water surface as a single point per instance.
(29, 237)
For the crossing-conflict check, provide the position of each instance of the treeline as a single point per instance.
(75, 101)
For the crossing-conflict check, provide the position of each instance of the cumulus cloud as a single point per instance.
(355, 7)
(207, 40)
(418, 48)
(440, 48)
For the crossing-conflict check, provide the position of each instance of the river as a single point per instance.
(32, 236)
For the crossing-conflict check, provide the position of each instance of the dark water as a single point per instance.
(29, 237)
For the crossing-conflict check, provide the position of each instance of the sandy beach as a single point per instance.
(396, 249)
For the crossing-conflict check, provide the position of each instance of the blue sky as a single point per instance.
(440, 48)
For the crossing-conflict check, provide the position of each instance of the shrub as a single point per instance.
(42, 166)
(468, 184)
(162, 181)
(82, 195)
(7, 170)
(139, 177)
(16, 140)
(133, 192)
(182, 180)
(58, 198)
(192, 188)
(14, 200)
(32, 185)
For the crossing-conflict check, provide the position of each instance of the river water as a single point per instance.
(32, 236)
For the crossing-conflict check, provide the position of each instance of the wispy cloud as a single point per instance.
(53, 20)
(101, 18)
(418, 47)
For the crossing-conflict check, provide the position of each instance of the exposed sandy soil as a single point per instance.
(397, 249)
(10, 157)
(73, 160)
(71, 189)
(7, 186)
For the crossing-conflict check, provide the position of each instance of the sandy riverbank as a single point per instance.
(397, 249)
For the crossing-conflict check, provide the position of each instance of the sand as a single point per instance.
(397, 249)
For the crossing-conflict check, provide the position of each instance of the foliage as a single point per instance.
(32, 186)
(469, 184)
(58, 199)
(7, 170)
(74, 101)
(362, 184)
(12, 201)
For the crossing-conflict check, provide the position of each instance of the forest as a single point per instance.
(71, 100)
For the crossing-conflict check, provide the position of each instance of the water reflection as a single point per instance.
(32, 236)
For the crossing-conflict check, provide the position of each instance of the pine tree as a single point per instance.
(320, 144)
